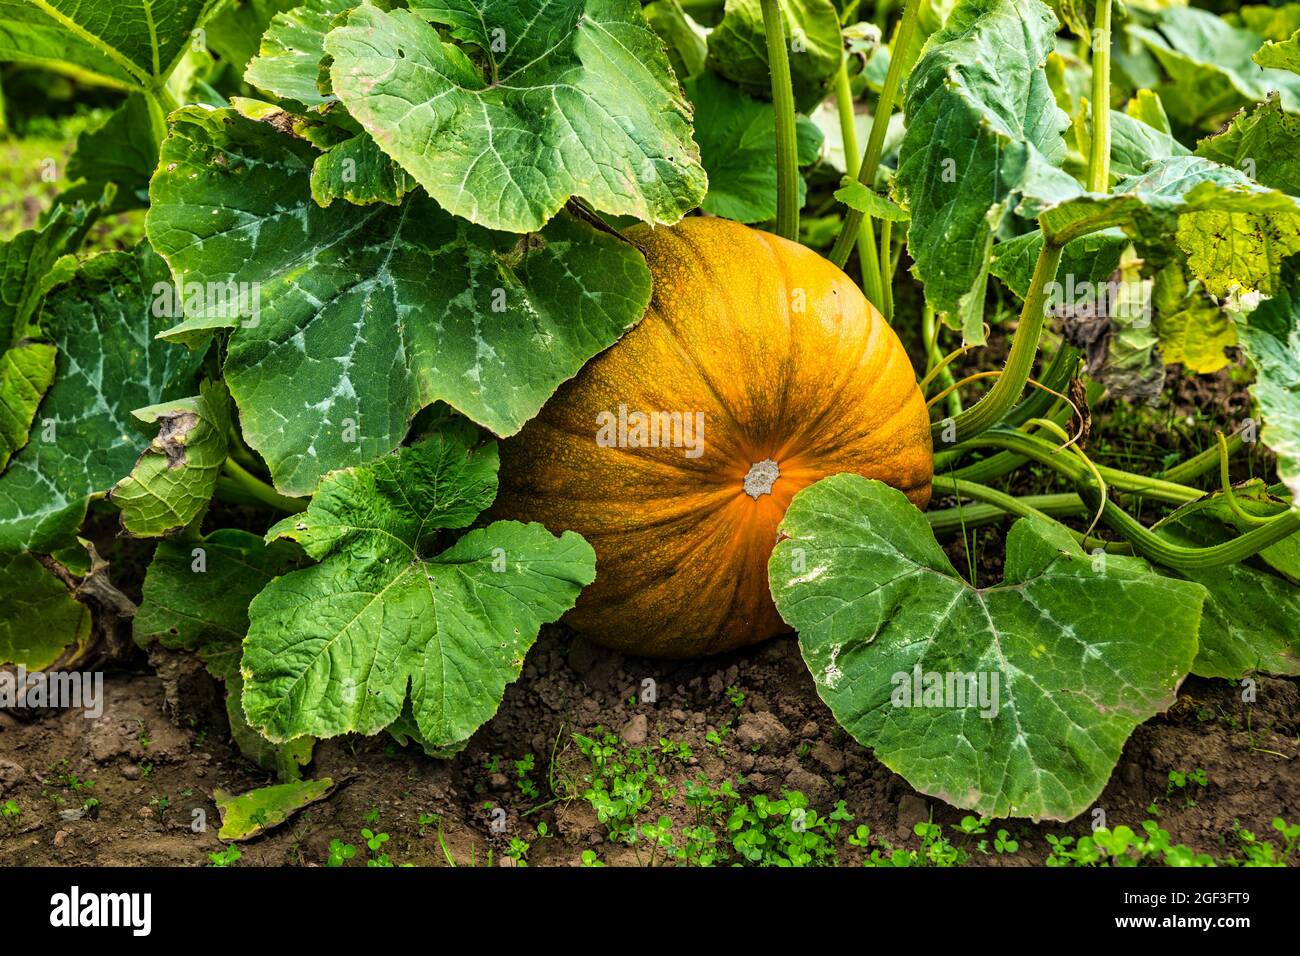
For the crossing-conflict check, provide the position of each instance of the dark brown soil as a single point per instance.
(138, 756)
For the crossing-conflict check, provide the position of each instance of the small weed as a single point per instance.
(226, 857)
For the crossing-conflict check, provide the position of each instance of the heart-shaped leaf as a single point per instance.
(575, 98)
(334, 647)
(1010, 700)
(358, 317)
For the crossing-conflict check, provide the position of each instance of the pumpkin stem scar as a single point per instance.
(762, 474)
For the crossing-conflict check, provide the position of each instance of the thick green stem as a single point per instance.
(1151, 545)
(1046, 453)
(994, 406)
(1145, 541)
(1099, 157)
(947, 520)
(1204, 463)
(249, 484)
(867, 261)
(879, 126)
(787, 153)
(886, 269)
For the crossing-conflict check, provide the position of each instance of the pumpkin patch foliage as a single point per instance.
(375, 336)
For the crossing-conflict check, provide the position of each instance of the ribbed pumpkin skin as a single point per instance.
(681, 549)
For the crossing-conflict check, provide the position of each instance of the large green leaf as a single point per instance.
(574, 98)
(983, 126)
(1260, 141)
(39, 618)
(1083, 648)
(738, 47)
(132, 44)
(1235, 232)
(334, 647)
(1210, 66)
(196, 597)
(236, 31)
(288, 63)
(109, 363)
(737, 137)
(175, 477)
(1271, 338)
(368, 314)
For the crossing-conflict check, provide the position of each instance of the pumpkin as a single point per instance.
(758, 368)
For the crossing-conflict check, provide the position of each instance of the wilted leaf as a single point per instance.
(175, 477)
(252, 814)
(196, 597)
(39, 617)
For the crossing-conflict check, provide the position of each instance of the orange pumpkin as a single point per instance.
(758, 369)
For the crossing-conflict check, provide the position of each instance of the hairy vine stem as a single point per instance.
(1024, 347)
(879, 126)
(866, 240)
(1099, 155)
(787, 153)
(1146, 542)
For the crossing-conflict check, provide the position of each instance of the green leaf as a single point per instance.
(983, 126)
(1210, 66)
(685, 42)
(1193, 329)
(252, 814)
(333, 647)
(39, 617)
(857, 196)
(236, 31)
(1084, 649)
(131, 44)
(196, 597)
(103, 325)
(1234, 231)
(288, 63)
(36, 260)
(1260, 141)
(1089, 259)
(368, 314)
(737, 137)
(579, 102)
(1134, 145)
(738, 48)
(1280, 55)
(175, 476)
(358, 171)
(1249, 624)
(26, 371)
(122, 150)
(1271, 339)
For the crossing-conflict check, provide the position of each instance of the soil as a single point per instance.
(163, 737)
